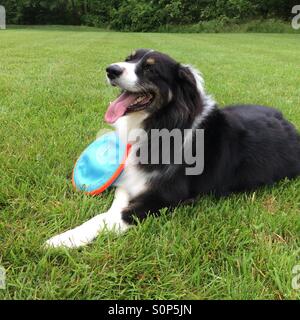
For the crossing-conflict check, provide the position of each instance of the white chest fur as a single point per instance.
(133, 179)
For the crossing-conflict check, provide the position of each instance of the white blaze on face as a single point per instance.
(128, 79)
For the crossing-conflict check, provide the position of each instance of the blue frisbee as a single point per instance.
(100, 164)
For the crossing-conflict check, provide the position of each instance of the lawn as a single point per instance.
(53, 96)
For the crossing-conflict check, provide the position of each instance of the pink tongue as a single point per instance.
(118, 107)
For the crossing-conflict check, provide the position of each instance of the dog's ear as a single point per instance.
(188, 93)
(185, 74)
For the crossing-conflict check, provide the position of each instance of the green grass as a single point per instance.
(224, 24)
(53, 96)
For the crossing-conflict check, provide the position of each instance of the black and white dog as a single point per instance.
(245, 146)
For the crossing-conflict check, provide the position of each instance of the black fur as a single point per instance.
(245, 146)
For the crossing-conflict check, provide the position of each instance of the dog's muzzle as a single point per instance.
(114, 71)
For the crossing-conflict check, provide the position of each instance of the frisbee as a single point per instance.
(100, 164)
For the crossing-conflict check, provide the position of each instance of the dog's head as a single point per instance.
(150, 81)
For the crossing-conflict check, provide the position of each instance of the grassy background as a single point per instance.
(224, 24)
(53, 96)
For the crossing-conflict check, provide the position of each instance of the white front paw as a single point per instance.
(68, 239)
(76, 237)
(88, 231)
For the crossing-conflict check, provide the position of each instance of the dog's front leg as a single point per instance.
(88, 231)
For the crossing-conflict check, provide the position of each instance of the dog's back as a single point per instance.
(246, 147)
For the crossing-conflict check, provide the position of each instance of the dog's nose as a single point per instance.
(114, 71)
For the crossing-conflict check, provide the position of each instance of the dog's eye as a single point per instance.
(147, 67)
(148, 64)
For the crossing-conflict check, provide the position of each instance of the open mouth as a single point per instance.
(127, 102)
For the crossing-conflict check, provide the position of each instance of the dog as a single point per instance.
(245, 146)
